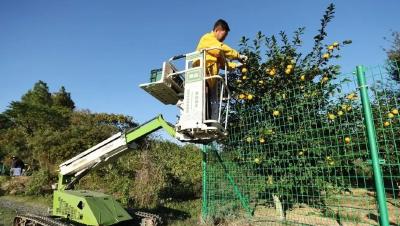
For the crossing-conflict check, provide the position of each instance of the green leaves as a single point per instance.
(43, 129)
(39, 95)
(283, 65)
(33, 117)
(39, 183)
(285, 134)
(63, 99)
(39, 109)
(393, 55)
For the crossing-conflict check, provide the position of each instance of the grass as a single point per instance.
(7, 214)
(180, 213)
(43, 201)
(6, 217)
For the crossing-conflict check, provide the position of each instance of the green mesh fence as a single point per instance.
(303, 156)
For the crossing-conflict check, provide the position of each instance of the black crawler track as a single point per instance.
(37, 220)
(142, 219)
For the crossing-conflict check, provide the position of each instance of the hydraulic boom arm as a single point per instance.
(74, 169)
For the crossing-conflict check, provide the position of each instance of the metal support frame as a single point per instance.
(206, 150)
(204, 206)
(372, 146)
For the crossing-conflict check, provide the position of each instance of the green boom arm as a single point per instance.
(149, 127)
(74, 169)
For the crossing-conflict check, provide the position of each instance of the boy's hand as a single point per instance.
(239, 65)
(243, 58)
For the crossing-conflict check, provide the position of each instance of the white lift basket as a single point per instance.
(201, 120)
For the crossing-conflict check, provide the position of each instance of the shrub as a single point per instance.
(39, 183)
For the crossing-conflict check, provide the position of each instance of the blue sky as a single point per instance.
(102, 50)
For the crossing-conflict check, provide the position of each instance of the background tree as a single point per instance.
(63, 99)
(393, 54)
(45, 129)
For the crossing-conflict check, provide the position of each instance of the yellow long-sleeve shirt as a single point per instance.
(214, 60)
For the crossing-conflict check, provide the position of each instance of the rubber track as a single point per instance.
(48, 221)
(155, 219)
(42, 220)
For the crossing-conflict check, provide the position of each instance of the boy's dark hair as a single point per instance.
(221, 23)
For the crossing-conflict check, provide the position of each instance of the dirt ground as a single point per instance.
(357, 208)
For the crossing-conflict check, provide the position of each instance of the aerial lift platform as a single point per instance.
(187, 89)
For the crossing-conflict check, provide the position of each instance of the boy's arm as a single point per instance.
(210, 41)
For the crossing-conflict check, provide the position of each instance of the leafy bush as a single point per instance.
(39, 183)
(149, 181)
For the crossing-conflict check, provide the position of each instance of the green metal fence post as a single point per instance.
(204, 209)
(372, 144)
(243, 200)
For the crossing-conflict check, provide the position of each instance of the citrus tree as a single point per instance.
(385, 108)
(287, 109)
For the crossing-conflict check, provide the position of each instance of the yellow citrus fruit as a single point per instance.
(352, 96)
(288, 71)
(270, 132)
(238, 81)
(325, 79)
(257, 160)
(301, 153)
(276, 113)
(331, 116)
(347, 140)
(262, 140)
(395, 111)
(290, 66)
(346, 107)
(331, 163)
(340, 113)
(261, 82)
(270, 180)
(328, 157)
(249, 97)
(244, 77)
(272, 72)
(386, 124)
(244, 70)
(330, 47)
(335, 44)
(326, 56)
(242, 96)
(303, 78)
(267, 70)
(249, 139)
(390, 115)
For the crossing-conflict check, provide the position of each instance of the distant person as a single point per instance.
(17, 165)
(2, 168)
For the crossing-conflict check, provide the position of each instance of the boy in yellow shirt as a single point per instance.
(215, 61)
